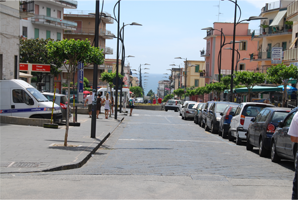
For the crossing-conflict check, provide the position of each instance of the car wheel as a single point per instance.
(262, 150)
(166, 110)
(182, 117)
(274, 156)
(206, 127)
(219, 132)
(249, 147)
(176, 110)
(199, 122)
(180, 114)
(202, 124)
(212, 128)
(238, 140)
(230, 137)
(223, 134)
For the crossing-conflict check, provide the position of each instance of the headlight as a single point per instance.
(218, 118)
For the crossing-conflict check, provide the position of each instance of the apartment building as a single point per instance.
(275, 31)
(85, 29)
(9, 40)
(176, 79)
(163, 88)
(194, 76)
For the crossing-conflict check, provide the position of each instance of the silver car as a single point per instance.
(188, 111)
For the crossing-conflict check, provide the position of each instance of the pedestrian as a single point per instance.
(154, 101)
(88, 100)
(294, 138)
(98, 105)
(159, 100)
(131, 102)
(107, 106)
(112, 106)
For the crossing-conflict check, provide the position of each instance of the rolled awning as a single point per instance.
(24, 75)
(278, 18)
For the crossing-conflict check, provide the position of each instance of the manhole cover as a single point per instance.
(24, 165)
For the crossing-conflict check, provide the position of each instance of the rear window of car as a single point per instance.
(190, 105)
(252, 110)
(220, 107)
(171, 101)
(279, 116)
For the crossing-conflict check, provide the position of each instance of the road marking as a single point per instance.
(168, 120)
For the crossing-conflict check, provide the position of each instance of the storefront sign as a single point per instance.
(276, 55)
(41, 68)
(80, 81)
(23, 67)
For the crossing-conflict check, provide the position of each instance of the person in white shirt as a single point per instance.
(88, 100)
(293, 132)
(131, 102)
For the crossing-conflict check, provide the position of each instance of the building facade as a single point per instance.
(9, 39)
(194, 74)
(163, 88)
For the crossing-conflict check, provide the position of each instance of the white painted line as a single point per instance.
(168, 120)
(11, 164)
(148, 140)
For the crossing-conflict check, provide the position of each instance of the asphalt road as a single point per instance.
(156, 154)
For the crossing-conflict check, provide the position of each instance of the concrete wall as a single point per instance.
(9, 37)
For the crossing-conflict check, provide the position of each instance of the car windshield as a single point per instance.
(252, 110)
(279, 116)
(190, 106)
(220, 107)
(37, 95)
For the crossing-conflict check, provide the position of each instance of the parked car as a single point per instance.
(263, 126)
(225, 121)
(213, 115)
(139, 100)
(243, 115)
(182, 105)
(205, 110)
(281, 144)
(172, 104)
(198, 111)
(188, 111)
(61, 100)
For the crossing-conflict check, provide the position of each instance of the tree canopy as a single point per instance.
(137, 90)
(150, 93)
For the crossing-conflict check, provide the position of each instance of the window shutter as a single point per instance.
(36, 33)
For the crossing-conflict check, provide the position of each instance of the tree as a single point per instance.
(167, 97)
(35, 51)
(179, 92)
(137, 90)
(217, 87)
(280, 74)
(150, 93)
(250, 79)
(86, 82)
(70, 52)
(109, 77)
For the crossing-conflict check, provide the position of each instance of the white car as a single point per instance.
(139, 100)
(243, 115)
(183, 105)
(172, 104)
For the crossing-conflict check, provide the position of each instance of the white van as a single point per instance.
(125, 93)
(20, 99)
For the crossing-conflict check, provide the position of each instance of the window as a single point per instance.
(20, 96)
(197, 68)
(220, 107)
(259, 116)
(58, 36)
(289, 119)
(241, 67)
(25, 32)
(284, 46)
(48, 12)
(252, 110)
(243, 46)
(279, 116)
(265, 116)
(196, 82)
(36, 33)
(48, 35)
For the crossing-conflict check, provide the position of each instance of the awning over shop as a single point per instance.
(256, 89)
(278, 18)
(24, 75)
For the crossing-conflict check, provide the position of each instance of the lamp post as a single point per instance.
(185, 70)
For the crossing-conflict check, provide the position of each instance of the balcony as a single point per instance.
(105, 34)
(204, 74)
(205, 54)
(107, 50)
(70, 4)
(273, 31)
(271, 6)
(291, 54)
(292, 11)
(105, 17)
(51, 21)
(26, 9)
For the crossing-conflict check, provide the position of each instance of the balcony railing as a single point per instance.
(42, 19)
(291, 54)
(106, 34)
(69, 2)
(271, 6)
(292, 9)
(26, 9)
(274, 30)
(204, 74)
(106, 17)
(103, 33)
(107, 50)
(205, 54)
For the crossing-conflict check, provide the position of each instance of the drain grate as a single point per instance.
(25, 165)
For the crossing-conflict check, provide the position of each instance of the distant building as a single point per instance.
(163, 88)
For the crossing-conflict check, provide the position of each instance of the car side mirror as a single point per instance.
(280, 124)
(31, 102)
(221, 114)
(253, 119)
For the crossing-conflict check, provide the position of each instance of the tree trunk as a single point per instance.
(67, 113)
(284, 96)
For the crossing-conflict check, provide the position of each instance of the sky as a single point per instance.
(170, 28)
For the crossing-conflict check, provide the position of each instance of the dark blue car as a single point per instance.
(227, 115)
(263, 126)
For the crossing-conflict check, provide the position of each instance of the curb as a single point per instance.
(72, 166)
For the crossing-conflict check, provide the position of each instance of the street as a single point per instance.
(157, 155)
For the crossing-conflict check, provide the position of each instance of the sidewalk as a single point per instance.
(38, 149)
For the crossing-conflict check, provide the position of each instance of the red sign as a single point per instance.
(41, 68)
(23, 67)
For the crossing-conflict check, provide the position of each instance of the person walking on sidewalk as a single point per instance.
(107, 106)
(89, 101)
(294, 138)
(98, 104)
(131, 102)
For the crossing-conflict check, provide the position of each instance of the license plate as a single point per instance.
(170, 104)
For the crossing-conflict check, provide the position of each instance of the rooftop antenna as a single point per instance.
(219, 13)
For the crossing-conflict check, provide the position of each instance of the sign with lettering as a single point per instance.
(276, 55)
(41, 68)
(23, 67)
(80, 82)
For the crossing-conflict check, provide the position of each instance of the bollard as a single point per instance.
(76, 112)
